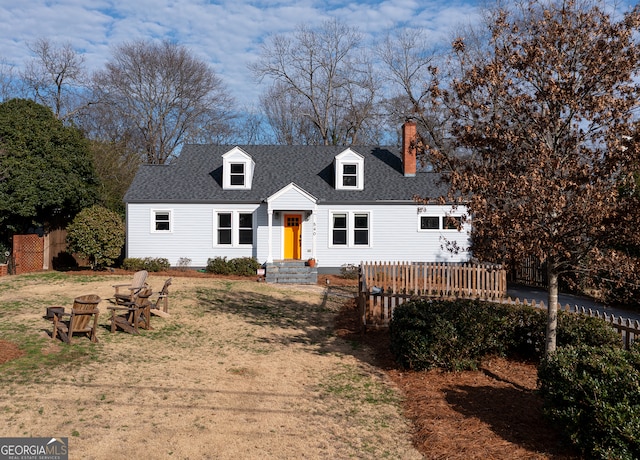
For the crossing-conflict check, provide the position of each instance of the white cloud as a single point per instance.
(225, 33)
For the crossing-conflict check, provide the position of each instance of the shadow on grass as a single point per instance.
(304, 322)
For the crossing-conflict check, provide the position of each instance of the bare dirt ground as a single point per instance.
(248, 370)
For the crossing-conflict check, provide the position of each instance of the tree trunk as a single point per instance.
(552, 312)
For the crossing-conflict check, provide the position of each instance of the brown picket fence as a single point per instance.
(383, 286)
(376, 304)
(467, 280)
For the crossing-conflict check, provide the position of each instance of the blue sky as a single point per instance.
(224, 33)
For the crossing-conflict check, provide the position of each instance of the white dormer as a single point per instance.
(349, 169)
(237, 170)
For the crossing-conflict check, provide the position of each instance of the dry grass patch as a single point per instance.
(239, 370)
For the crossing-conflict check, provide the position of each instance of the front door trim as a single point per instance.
(292, 227)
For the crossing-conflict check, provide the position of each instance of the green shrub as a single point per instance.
(242, 266)
(98, 234)
(577, 329)
(593, 395)
(525, 333)
(133, 264)
(218, 265)
(458, 334)
(452, 335)
(149, 264)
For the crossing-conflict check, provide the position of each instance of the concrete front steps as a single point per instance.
(291, 272)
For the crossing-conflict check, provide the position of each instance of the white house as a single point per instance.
(339, 205)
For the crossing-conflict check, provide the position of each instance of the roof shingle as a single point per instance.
(196, 176)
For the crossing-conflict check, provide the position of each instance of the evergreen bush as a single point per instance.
(218, 266)
(242, 266)
(457, 334)
(148, 263)
(98, 234)
(593, 394)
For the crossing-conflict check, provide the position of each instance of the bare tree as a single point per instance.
(284, 110)
(160, 96)
(251, 129)
(408, 58)
(542, 121)
(327, 75)
(8, 81)
(55, 77)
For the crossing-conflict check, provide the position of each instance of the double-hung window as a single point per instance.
(339, 229)
(245, 228)
(349, 229)
(161, 221)
(350, 175)
(451, 222)
(361, 229)
(237, 174)
(234, 228)
(224, 228)
(429, 222)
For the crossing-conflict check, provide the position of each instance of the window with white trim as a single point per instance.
(237, 170)
(429, 222)
(234, 228)
(451, 222)
(161, 221)
(236, 174)
(349, 229)
(245, 228)
(349, 175)
(349, 170)
(224, 228)
(339, 229)
(361, 229)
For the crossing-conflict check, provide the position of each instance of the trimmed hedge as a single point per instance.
(149, 264)
(593, 395)
(456, 335)
(242, 266)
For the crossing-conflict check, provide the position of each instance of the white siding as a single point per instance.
(291, 199)
(191, 236)
(394, 234)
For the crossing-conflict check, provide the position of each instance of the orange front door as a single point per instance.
(292, 237)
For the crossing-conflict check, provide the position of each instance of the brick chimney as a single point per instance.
(409, 134)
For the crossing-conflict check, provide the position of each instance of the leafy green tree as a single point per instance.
(98, 234)
(46, 169)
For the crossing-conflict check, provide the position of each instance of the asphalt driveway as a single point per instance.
(529, 293)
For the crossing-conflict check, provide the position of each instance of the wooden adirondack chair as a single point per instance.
(126, 293)
(82, 319)
(132, 316)
(161, 304)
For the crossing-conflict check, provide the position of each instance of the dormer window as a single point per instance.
(237, 174)
(237, 170)
(349, 169)
(350, 175)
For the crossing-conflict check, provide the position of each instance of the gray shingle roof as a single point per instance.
(196, 176)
